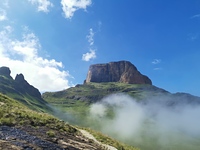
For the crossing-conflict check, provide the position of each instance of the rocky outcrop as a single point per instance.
(21, 90)
(121, 71)
(19, 84)
(24, 87)
(5, 71)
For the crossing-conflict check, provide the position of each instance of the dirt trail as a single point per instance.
(90, 136)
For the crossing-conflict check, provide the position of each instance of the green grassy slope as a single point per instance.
(13, 113)
(77, 99)
(8, 87)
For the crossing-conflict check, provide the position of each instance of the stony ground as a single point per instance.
(90, 136)
(35, 138)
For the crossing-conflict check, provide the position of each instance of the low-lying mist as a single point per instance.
(153, 124)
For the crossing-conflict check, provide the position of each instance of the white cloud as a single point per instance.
(90, 55)
(43, 5)
(21, 56)
(156, 61)
(90, 37)
(3, 15)
(70, 6)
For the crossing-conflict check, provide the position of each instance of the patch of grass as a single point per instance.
(9, 87)
(109, 141)
(13, 113)
(50, 133)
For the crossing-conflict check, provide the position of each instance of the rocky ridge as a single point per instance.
(19, 83)
(21, 90)
(121, 71)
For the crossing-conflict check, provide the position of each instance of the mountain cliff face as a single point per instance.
(121, 71)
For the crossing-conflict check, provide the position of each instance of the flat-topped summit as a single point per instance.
(121, 71)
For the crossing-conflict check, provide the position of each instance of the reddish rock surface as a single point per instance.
(121, 71)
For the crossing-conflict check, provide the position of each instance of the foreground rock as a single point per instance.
(121, 71)
(30, 138)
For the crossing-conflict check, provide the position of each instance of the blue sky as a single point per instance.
(53, 42)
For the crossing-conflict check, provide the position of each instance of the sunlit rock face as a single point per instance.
(121, 71)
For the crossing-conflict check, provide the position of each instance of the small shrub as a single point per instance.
(50, 133)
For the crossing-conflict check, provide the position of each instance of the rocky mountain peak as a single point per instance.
(23, 86)
(19, 78)
(121, 71)
(18, 85)
(5, 71)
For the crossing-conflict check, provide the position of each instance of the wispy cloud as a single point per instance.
(195, 16)
(22, 57)
(5, 4)
(99, 25)
(3, 15)
(89, 55)
(193, 36)
(70, 6)
(90, 37)
(157, 68)
(92, 53)
(156, 61)
(42, 5)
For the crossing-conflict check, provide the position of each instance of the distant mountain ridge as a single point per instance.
(21, 90)
(103, 80)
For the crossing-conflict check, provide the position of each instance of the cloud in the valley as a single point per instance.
(2, 15)
(42, 5)
(21, 56)
(71, 6)
(151, 124)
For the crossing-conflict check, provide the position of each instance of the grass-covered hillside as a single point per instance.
(23, 92)
(13, 113)
(93, 92)
(21, 127)
(141, 115)
(77, 99)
